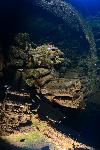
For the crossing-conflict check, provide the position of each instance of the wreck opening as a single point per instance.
(57, 24)
(79, 51)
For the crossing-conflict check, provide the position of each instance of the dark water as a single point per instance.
(86, 126)
(86, 7)
(81, 125)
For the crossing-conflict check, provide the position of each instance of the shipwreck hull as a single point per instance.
(61, 25)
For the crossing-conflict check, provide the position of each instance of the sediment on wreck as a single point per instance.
(15, 110)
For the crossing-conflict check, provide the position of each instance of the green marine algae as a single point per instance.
(46, 57)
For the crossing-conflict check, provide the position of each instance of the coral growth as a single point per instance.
(35, 62)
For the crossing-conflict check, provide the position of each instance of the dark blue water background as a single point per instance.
(86, 7)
